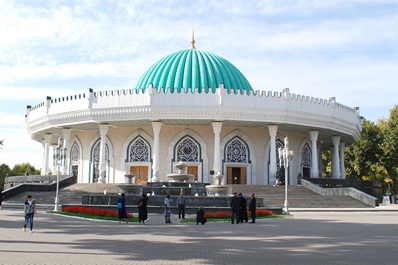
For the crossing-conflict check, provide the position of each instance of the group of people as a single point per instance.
(239, 208)
(142, 208)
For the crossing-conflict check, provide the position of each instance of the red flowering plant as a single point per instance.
(93, 211)
(227, 214)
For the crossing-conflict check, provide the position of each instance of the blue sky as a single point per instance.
(343, 49)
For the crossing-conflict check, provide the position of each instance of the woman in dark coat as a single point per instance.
(252, 208)
(121, 207)
(143, 209)
(242, 209)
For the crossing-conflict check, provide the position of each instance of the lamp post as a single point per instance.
(285, 156)
(59, 159)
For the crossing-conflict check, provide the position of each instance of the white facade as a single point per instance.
(112, 133)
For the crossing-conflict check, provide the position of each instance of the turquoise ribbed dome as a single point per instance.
(189, 69)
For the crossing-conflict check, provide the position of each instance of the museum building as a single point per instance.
(192, 106)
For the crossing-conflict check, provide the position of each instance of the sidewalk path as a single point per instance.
(306, 238)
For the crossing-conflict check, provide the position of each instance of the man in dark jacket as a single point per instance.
(235, 208)
(252, 208)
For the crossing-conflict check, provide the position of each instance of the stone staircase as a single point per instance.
(298, 196)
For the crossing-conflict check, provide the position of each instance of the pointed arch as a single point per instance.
(240, 144)
(202, 159)
(76, 159)
(94, 159)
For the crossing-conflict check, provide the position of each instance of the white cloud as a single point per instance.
(317, 48)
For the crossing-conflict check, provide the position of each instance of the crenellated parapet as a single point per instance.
(211, 104)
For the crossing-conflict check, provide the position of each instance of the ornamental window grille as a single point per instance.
(306, 156)
(187, 150)
(96, 152)
(96, 158)
(75, 154)
(236, 151)
(278, 144)
(139, 151)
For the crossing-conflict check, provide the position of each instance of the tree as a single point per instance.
(4, 170)
(362, 157)
(326, 164)
(389, 148)
(21, 169)
(1, 144)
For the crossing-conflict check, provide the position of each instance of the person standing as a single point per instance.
(30, 210)
(252, 208)
(121, 207)
(235, 208)
(167, 210)
(242, 208)
(181, 206)
(143, 209)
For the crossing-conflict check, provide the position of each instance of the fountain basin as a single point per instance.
(218, 190)
(180, 177)
(130, 188)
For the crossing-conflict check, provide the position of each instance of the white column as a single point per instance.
(46, 156)
(102, 163)
(156, 126)
(335, 158)
(217, 148)
(314, 154)
(342, 165)
(65, 165)
(55, 167)
(272, 160)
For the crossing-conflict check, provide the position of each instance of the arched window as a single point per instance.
(278, 144)
(306, 162)
(187, 150)
(75, 154)
(306, 156)
(237, 151)
(95, 158)
(139, 151)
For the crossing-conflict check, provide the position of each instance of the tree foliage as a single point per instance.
(389, 148)
(363, 155)
(21, 169)
(4, 170)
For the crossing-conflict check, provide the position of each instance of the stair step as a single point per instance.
(298, 196)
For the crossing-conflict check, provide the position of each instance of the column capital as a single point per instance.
(156, 126)
(336, 140)
(103, 129)
(273, 129)
(313, 135)
(217, 125)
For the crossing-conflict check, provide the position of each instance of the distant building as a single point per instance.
(196, 107)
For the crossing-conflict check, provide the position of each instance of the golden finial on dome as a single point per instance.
(193, 40)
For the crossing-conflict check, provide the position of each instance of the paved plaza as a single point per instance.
(309, 237)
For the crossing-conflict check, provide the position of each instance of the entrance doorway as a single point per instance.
(75, 172)
(306, 172)
(236, 175)
(193, 170)
(141, 173)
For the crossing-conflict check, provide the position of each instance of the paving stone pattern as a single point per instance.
(368, 236)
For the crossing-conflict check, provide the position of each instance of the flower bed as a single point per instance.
(227, 214)
(93, 211)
